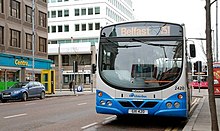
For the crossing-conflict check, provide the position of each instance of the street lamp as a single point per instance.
(216, 30)
(33, 37)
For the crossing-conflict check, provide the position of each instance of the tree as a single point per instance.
(212, 103)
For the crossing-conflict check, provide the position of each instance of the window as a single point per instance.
(66, 28)
(60, 13)
(65, 60)
(90, 26)
(97, 26)
(15, 38)
(42, 44)
(60, 28)
(83, 11)
(59, 0)
(90, 11)
(28, 13)
(66, 0)
(1, 6)
(76, 27)
(53, 14)
(1, 35)
(66, 13)
(48, 14)
(42, 19)
(97, 10)
(76, 12)
(53, 1)
(28, 41)
(48, 29)
(83, 27)
(53, 29)
(15, 9)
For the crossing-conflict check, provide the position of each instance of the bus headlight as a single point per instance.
(216, 81)
(102, 102)
(169, 104)
(109, 103)
(177, 104)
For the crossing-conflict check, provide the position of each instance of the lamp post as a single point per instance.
(216, 30)
(59, 67)
(33, 37)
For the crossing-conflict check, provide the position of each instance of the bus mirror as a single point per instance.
(192, 49)
(93, 68)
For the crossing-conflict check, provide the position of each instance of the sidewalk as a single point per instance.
(201, 118)
(67, 92)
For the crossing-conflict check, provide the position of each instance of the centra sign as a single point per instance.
(21, 62)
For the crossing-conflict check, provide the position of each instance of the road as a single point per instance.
(73, 113)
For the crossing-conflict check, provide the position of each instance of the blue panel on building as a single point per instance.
(21, 61)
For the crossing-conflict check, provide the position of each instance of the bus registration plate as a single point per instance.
(137, 111)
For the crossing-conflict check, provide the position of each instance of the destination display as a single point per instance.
(142, 29)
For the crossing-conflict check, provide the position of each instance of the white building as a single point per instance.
(74, 25)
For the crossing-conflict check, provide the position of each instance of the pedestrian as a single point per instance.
(71, 85)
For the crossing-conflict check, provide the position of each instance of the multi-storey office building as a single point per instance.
(73, 25)
(16, 41)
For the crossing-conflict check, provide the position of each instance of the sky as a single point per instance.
(188, 12)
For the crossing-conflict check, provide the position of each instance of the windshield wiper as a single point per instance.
(149, 43)
(129, 46)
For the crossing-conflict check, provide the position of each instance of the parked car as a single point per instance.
(23, 91)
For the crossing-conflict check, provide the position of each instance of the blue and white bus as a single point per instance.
(142, 68)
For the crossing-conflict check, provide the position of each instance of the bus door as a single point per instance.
(48, 80)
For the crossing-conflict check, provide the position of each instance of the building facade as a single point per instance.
(16, 51)
(73, 27)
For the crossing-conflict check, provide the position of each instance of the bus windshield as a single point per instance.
(150, 60)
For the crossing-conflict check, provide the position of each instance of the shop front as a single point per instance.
(15, 68)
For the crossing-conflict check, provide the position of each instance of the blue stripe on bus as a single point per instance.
(159, 109)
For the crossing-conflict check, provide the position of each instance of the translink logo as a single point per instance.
(135, 95)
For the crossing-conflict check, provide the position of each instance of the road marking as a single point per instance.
(109, 119)
(15, 116)
(81, 104)
(90, 125)
(30, 104)
(195, 101)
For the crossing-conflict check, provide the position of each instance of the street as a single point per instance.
(73, 113)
